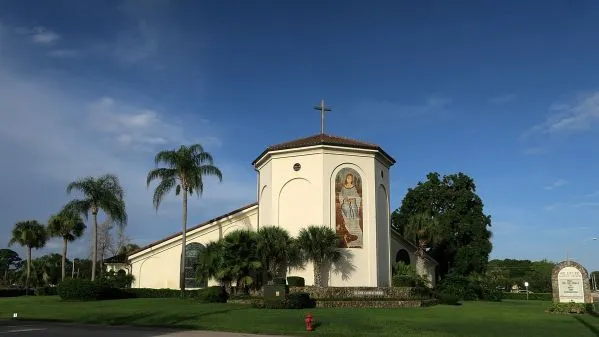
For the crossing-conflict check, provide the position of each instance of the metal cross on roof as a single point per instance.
(322, 109)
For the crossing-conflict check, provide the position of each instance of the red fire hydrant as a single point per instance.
(308, 321)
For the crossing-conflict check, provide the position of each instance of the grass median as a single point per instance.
(480, 319)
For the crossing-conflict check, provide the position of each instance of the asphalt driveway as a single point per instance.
(43, 329)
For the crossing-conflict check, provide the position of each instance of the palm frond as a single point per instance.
(162, 190)
(115, 209)
(78, 206)
(168, 157)
(160, 173)
(84, 185)
(202, 158)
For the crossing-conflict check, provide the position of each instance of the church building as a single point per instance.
(321, 180)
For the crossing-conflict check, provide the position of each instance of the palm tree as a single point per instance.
(184, 171)
(241, 260)
(275, 247)
(67, 224)
(30, 234)
(210, 264)
(103, 193)
(423, 230)
(319, 246)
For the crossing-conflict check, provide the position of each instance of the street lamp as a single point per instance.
(526, 285)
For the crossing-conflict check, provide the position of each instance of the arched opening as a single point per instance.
(402, 256)
(191, 263)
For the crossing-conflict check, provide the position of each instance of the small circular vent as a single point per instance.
(297, 166)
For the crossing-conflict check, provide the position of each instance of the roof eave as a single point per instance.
(268, 151)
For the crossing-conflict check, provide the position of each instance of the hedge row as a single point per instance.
(86, 290)
(531, 296)
(296, 281)
(12, 292)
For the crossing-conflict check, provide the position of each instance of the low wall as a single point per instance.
(375, 304)
(364, 293)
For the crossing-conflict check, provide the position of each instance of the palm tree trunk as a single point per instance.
(28, 270)
(64, 258)
(420, 263)
(317, 276)
(183, 237)
(95, 245)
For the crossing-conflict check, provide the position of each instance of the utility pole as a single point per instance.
(322, 108)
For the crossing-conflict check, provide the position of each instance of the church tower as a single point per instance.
(335, 182)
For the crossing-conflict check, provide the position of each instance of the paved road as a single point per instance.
(39, 329)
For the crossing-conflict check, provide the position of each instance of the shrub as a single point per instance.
(293, 301)
(86, 290)
(469, 289)
(449, 299)
(279, 281)
(118, 279)
(79, 290)
(531, 296)
(296, 281)
(12, 292)
(45, 291)
(406, 276)
(241, 296)
(158, 293)
(214, 294)
(570, 308)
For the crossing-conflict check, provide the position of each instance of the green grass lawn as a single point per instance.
(480, 319)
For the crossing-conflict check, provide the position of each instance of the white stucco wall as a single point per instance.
(306, 197)
(158, 265)
(398, 244)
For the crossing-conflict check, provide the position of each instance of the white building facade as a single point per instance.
(321, 180)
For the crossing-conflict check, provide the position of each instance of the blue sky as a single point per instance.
(506, 92)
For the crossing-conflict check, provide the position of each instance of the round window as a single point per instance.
(297, 166)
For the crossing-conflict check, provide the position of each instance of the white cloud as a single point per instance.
(51, 136)
(39, 35)
(433, 105)
(554, 206)
(503, 99)
(593, 194)
(586, 204)
(535, 151)
(64, 53)
(556, 184)
(578, 116)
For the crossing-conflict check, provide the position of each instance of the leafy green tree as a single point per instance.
(69, 226)
(465, 244)
(9, 259)
(185, 169)
(422, 229)
(46, 270)
(275, 247)
(103, 193)
(319, 246)
(128, 248)
(30, 234)
(516, 272)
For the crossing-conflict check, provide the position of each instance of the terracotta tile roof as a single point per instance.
(324, 139)
(119, 258)
(189, 229)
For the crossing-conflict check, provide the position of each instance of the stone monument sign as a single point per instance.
(570, 282)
